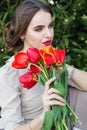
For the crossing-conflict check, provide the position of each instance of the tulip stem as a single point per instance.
(73, 112)
(44, 72)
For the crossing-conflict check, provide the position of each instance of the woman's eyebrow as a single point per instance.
(41, 26)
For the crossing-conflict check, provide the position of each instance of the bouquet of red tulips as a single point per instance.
(45, 64)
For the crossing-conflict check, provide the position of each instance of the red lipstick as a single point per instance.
(47, 43)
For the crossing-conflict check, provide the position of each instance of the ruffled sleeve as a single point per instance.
(10, 100)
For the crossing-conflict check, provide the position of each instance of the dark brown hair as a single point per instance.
(20, 21)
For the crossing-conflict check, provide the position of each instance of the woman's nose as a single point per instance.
(48, 33)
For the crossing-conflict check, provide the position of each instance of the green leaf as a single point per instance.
(64, 79)
(57, 113)
(64, 111)
(61, 89)
(48, 120)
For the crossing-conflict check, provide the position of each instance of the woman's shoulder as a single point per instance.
(9, 76)
(9, 73)
(7, 69)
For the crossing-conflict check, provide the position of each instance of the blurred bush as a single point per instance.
(7, 8)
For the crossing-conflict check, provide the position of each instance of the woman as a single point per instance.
(31, 26)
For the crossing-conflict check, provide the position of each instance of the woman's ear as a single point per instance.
(22, 37)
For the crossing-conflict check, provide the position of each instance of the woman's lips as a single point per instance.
(47, 43)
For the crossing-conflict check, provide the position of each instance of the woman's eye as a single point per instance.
(51, 25)
(38, 29)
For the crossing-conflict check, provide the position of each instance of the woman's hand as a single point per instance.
(51, 96)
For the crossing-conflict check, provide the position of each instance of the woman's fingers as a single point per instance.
(51, 96)
(54, 102)
(47, 84)
(52, 90)
(56, 97)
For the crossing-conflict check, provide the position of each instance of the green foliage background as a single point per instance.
(70, 25)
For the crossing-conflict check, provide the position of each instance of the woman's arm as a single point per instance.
(36, 124)
(50, 97)
(78, 76)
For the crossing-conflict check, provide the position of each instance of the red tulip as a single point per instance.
(48, 59)
(35, 69)
(33, 54)
(28, 80)
(48, 55)
(20, 60)
(60, 57)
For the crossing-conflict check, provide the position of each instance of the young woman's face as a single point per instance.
(40, 31)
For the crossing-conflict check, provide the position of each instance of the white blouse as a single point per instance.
(19, 105)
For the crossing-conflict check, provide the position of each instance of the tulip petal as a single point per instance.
(20, 60)
(33, 54)
(35, 69)
(28, 80)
